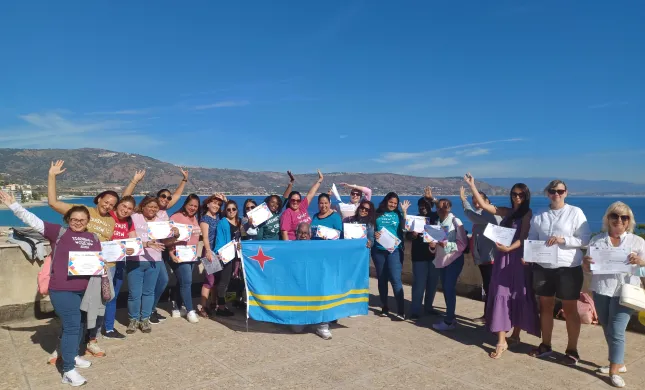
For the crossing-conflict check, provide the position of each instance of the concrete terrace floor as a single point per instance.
(365, 352)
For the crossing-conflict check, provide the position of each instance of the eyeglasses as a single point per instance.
(366, 209)
(294, 200)
(164, 196)
(74, 220)
(518, 195)
(356, 193)
(553, 191)
(231, 210)
(615, 216)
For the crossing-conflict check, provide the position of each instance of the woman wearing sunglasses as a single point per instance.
(356, 194)
(511, 302)
(229, 228)
(296, 211)
(618, 232)
(565, 226)
(365, 214)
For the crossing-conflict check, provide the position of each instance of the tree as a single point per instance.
(640, 230)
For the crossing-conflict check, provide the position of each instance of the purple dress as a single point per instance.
(511, 301)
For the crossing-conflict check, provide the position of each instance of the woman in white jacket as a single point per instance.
(618, 227)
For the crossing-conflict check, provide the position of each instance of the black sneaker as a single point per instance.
(571, 357)
(399, 317)
(224, 312)
(113, 335)
(414, 317)
(156, 318)
(384, 312)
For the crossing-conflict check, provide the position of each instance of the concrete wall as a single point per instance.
(19, 297)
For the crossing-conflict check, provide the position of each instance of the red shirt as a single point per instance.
(121, 228)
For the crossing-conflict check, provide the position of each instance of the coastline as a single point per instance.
(27, 205)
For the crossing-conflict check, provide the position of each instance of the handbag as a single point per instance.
(632, 297)
(106, 294)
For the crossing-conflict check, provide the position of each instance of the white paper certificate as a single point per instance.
(388, 240)
(113, 251)
(211, 267)
(500, 234)
(347, 210)
(159, 230)
(434, 233)
(334, 191)
(415, 223)
(537, 252)
(186, 253)
(352, 231)
(185, 231)
(260, 214)
(609, 260)
(228, 251)
(85, 263)
(327, 233)
(135, 244)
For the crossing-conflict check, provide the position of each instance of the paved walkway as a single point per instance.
(366, 352)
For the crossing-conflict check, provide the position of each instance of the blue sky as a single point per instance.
(428, 88)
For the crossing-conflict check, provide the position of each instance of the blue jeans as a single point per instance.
(67, 305)
(425, 280)
(182, 292)
(388, 268)
(614, 319)
(449, 276)
(142, 277)
(162, 280)
(118, 272)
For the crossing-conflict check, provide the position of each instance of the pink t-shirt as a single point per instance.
(141, 227)
(162, 215)
(181, 218)
(290, 219)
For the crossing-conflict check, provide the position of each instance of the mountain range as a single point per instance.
(93, 170)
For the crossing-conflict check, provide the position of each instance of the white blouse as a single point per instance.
(610, 284)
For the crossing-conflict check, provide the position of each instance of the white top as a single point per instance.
(27, 217)
(568, 222)
(610, 285)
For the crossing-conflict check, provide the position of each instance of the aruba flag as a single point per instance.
(306, 282)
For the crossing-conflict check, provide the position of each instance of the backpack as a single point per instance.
(586, 310)
(30, 241)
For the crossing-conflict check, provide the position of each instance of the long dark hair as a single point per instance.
(286, 204)
(105, 193)
(524, 208)
(277, 197)
(371, 216)
(246, 202)
(382, 207)
(183, 211)
(238, 220)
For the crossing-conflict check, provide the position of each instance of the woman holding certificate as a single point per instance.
(566, 227)
(365, 216)
(327, 218)
(388, 260)
(66, 292)
(228, 229)
(511, 302)
(617, 238)
(210, 218)
(183, 254)
(296, 211)
(270, 229)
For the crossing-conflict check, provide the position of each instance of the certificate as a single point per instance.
(415, 223)
(113, 251)
(185, 231)
(186, 253)
(211, 267)
(500, 234)
(159, 230)
(85, 263)
(609, 260)
(327, 233)
(352, 231)
(135, 244)
(347, 210)
(434, 233)
(334, 191)
(228, 252)
(388, 240)
(260, 214)
(537, 252)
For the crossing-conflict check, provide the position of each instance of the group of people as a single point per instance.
(511, 285)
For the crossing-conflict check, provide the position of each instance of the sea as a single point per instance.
(593, 207)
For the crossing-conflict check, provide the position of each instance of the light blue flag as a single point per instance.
(306, 282)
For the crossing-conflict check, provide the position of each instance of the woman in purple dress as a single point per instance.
(511, 301)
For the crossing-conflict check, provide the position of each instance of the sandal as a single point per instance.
(541, 351)
(499, 350)
(202, 313)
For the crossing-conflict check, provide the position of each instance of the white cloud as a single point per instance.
(343, 136)
(434, 162)
(140, 111)
(399, 156)
(473, 152)
(226, 103)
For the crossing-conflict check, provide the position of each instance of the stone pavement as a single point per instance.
(365, 352)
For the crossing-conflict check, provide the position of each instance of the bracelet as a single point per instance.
(186, 180)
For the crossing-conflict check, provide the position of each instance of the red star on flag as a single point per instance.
(261, 258)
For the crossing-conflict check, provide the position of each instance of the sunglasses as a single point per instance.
(518, 195)
(249, 208)
(553, 191)
(356, 194)
(615, 216)
(164, 196)
(366, 209)
(294, 200)
(231, 210)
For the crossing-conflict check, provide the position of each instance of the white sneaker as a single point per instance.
(605, 370)
(73, 378)
(617, 381)
(175, 314)
(79, 362)
(192, 317)
(324, 333)
(442, 326)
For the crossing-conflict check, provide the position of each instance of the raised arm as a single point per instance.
(367, 192)
(475, 217)
(180, 188)
(55, 170)
(20, 212)
(501, 211)
(138, 176)
(314, 187)
(289, 186)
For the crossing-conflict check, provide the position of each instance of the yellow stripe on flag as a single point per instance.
(307, 308)
(296, 298)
